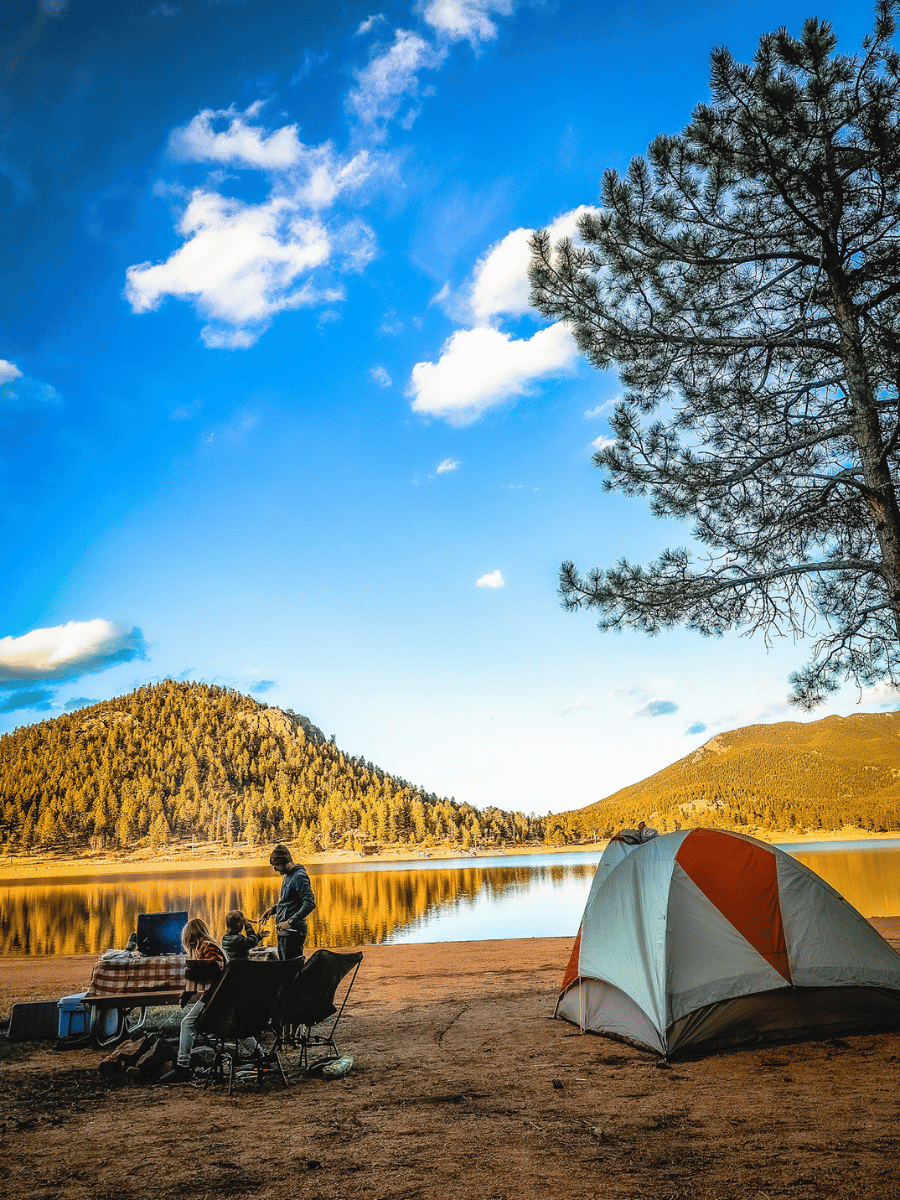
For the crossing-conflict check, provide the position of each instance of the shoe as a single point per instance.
(178, 1074)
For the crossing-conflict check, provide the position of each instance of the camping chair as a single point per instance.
(241, 1006)
(309, 999)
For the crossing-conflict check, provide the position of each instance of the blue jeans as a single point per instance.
(189, 1032)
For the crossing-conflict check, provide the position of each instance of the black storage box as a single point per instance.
(34, 1022)
(160, 933)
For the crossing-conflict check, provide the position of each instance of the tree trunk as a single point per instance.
(880, 493)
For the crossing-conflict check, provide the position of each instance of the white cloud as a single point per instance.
(493, 580)
(576, 705)
(600, 443)
(465, 20)
(499, 284)
(369, 22)
(312, 176)
(241, 144)
(66, 651)
(391, 78)
(480, 368)
(8, 371)
(449, 464)
(380, 375)
(19, 392)
(242, 263)
(591, 413)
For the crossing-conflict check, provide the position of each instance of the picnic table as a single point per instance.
(123, 987)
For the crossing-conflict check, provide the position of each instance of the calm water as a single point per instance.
(529, 896)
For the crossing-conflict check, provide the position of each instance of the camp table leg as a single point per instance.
(110, 1024)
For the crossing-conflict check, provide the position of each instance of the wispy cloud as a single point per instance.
(184, 412)
(390, 83)
(449, 464)
(262, 686)
(656, 708)
(37, 699)
(492, 580)
(369, 23)
(242, 262)
(466, 20)
(389, 88)
(600, 409)
(381, 377)
(68, 651)
(600, 443)
(576, 705)
(19, 392)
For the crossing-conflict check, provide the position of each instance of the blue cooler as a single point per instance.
(73, 1016)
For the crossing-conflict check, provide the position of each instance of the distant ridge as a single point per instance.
(177, 761)
(840, 771)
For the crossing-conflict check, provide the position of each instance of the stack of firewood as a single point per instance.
(142, 1058)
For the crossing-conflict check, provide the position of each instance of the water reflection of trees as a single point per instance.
(353, 908)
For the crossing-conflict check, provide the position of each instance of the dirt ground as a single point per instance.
(463, 1087)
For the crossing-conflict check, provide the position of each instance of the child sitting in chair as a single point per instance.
(203, 970)
(241, 936)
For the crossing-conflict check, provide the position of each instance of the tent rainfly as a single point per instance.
(705, 939)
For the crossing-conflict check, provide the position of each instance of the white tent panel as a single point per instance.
(829, 943)
(623, 938)
(599, 1007)
(706, 958)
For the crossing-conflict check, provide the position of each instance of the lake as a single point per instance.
(450, 900)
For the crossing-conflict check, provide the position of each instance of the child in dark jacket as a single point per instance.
(241, 936)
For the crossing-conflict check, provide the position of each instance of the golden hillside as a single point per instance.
(791, 775)
(180, 760)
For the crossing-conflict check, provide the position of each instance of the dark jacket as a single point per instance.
(239, 945)
(296, 901)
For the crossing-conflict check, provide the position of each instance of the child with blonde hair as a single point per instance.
(203, 970)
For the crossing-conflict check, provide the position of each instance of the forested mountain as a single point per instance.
(174, 761)
(817, 775)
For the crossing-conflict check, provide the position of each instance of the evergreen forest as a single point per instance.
(177, 763)
(791, 777)
(181, 761)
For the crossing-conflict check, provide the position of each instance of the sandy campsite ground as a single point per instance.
(463, 1086)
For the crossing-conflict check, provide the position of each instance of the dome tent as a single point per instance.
(709, 939)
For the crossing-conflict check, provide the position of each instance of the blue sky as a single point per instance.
(274, 412)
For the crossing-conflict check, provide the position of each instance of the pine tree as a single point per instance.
(745, 280)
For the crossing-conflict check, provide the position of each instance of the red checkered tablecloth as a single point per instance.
(163, 973)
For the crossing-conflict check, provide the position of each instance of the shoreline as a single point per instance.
(184, 862)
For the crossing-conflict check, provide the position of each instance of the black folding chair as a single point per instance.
(241, 1006)
(309, 1000)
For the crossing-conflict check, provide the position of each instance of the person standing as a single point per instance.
(294, 905)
